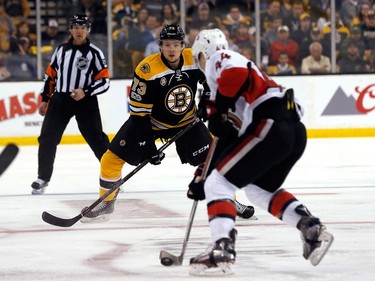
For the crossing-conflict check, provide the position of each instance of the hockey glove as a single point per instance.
(219, 125)
(154, 155)
(202, 110)
(157, 158)
(196, 189)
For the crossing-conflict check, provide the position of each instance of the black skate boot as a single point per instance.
(316, 240)
(244, 211)
(100, 213)
(217, 260)
(38, 187)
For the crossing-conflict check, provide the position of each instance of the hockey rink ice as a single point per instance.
(335, 179)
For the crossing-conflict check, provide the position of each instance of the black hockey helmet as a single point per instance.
(80, 19)
(171, 32)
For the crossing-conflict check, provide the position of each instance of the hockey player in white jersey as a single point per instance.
(259, 121)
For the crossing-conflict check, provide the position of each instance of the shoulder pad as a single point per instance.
(187, 53)
(150, 66)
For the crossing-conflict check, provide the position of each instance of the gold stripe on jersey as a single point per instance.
(140, 109)
(157, 125)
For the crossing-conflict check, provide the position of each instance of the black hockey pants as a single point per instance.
(269, 148)
(61, 109)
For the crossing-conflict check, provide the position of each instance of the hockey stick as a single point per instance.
(7, 156)
(51, 219)
(167, 258)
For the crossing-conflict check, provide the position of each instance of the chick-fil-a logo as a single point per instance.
(19, 105)
(367, 92)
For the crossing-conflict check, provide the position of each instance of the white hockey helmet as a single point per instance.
(207, 42)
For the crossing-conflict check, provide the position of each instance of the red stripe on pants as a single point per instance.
(279, 202)
(221, 208)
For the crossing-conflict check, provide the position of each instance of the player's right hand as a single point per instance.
(157, 158)
(196, 187)
(202, 107)
(154, 155)
(196, 190)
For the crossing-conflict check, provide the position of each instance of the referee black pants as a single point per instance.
(61, 109)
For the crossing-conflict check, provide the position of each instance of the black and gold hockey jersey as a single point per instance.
(166, 95)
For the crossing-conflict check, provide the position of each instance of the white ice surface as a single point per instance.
(335, 178)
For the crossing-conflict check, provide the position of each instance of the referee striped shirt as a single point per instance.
(73, 67)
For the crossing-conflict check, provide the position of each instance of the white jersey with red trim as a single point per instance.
(227, 71)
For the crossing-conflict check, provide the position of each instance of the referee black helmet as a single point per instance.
(80, 19)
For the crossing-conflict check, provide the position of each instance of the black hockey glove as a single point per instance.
(202, 106)
(157, 158)
(219, 125)
(196, 189)
(154, 155)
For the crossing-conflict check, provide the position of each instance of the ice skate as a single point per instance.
(39, 187)
(316, 240)
(217, 259)
(100, 213)
(244, 211)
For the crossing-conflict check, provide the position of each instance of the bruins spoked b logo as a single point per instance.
(179, 99)
(82, 63)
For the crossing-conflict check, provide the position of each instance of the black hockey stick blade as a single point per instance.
(168, 259)
(57, 221)
(7, 156)
(51, 219)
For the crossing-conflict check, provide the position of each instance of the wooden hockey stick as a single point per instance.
(57, 221)
(167, 258)
(7, 156)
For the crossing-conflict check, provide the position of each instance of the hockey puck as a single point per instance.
(166, 261)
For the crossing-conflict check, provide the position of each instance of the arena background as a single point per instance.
(336, 104)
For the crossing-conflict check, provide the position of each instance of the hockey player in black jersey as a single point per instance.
(162, 102)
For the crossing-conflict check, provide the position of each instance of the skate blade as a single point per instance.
(253, 218)
(98, 219)
(222, 269)
(318, 254)
(39, 191)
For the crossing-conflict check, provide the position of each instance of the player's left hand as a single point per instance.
(219, 125)
(202, 107)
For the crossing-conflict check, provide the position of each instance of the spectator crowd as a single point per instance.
(295, 35)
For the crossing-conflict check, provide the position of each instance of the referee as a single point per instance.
(76, 74)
